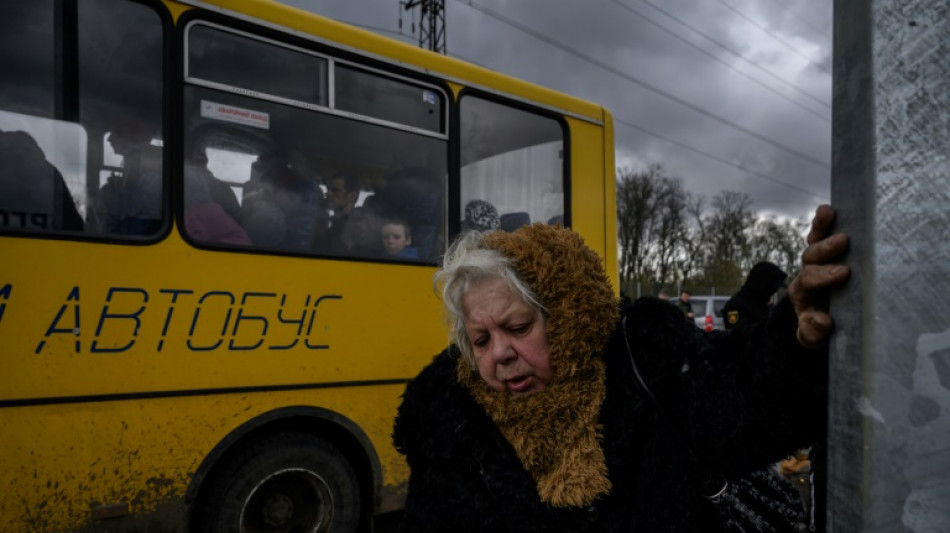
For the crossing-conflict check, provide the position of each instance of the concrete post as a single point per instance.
(889, 388)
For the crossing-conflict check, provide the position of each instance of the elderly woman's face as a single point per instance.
(508, 339)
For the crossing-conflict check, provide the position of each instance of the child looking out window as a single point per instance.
(397, 240)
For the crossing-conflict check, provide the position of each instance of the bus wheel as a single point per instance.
(288, 482)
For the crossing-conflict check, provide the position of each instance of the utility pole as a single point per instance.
(431, 23)
(889, 382)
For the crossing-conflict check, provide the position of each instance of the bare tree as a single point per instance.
(651, 213)
(668, 238)
(668, 230)
(779, 241)
(692, 240)
(726, 239)
(635, 191)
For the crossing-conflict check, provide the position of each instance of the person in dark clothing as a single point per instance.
(531, 420)
(282, 207)
(354, 231)
(130, 202)
(751, 304)
(33, 192)
(685, 305)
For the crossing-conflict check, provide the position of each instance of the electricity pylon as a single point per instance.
(431, 23)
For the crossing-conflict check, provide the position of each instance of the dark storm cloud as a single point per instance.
(672, 75)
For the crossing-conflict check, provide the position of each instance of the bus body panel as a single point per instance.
(131, 325)
(588, 192)
(133, 366)
(610, 251)
(79, 459)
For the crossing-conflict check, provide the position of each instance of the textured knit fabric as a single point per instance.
(480, 215)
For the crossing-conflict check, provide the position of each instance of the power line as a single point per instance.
(640, 128)
(716, 58)
(720, 159)
(816, 29)
(642, 83)
(774, 36)
(695, 150)
(737, 54)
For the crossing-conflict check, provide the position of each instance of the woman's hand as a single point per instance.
(809, 290)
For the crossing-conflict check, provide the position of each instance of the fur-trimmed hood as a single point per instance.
(569, 280)
(555, 431)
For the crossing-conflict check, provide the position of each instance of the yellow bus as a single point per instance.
(219, 223)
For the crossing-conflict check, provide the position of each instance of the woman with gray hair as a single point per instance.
(531, 420)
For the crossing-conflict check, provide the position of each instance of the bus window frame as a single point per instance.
(455, 186)
(332, 61)
(255, 29)
(70, 106)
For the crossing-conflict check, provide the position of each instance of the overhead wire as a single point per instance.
(652, 88)
(816, 29)
(721, 160)
(771, 34)
(736, 53)
(716, 58)
(695, 150)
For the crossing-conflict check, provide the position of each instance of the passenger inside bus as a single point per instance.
(480, 215)
(33, 193)
(212, 212)
(397, 240)
(282, 207)
(130, 202)
(354, 231)
(413, 195)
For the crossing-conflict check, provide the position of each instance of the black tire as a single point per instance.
(284, 483)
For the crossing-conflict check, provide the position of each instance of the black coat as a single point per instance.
(743, 402)
(751, 304)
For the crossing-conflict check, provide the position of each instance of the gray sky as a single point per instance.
(725, 94)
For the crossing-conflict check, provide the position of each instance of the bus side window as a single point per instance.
(412, 196)
(130, 202)
(71, 82)
(283, 207)
(306, 151)
(511, 161)
(212, 211)
(33, 193)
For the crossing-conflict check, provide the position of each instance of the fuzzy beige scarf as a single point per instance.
(555, 432)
